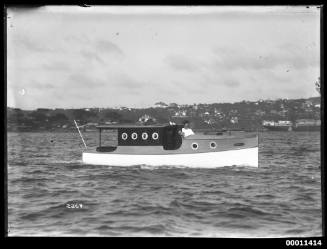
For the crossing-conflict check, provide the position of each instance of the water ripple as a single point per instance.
(280, 198)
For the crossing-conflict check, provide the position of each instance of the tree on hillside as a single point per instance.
(83, 115)
(317, 83)
(113, 116)
(39, 117)
(59, 119)
(15, 116)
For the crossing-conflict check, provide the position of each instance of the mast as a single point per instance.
(80, 134)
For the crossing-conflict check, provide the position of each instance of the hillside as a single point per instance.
(245, 115)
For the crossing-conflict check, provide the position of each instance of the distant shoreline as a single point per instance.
(246, 115)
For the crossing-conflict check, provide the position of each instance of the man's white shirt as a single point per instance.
(187, 132)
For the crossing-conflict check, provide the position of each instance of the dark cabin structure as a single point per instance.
(166, 136)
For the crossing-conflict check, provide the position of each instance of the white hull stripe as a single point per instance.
(241, 157)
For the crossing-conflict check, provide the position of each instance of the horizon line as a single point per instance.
(122, 106)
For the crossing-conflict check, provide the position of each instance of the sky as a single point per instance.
(75, 57)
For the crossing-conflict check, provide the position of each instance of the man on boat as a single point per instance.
(186, 130)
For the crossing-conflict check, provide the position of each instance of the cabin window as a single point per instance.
(213, 145)
(124, 136)
(238, 144)
(134, 136)
(195, 146)
(144, 136)
(155, 135)
(108, 137)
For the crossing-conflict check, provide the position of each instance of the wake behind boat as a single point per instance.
(164, 146)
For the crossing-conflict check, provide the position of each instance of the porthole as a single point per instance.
(145, 136)
(155, 135)
(134, 136)
(195, 146)
(124, 136)
(213, 145)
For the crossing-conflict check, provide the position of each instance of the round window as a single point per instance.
(195, 146)
(134, 136)
(155, 135)
(144, 136)
(124, 136)
(213, 145)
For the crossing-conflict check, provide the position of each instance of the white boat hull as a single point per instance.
(239, 157)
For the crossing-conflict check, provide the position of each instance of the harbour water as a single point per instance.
(46, 179)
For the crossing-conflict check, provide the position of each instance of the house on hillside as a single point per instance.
(161, 105)
(147, 119)
(123, 108)
(234, 120)
(181, 113)
(260, 113)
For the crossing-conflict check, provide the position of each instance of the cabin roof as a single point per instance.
(129, 126)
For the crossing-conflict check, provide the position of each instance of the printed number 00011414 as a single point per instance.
(303, 243)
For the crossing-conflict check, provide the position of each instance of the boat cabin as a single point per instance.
(166, 136)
